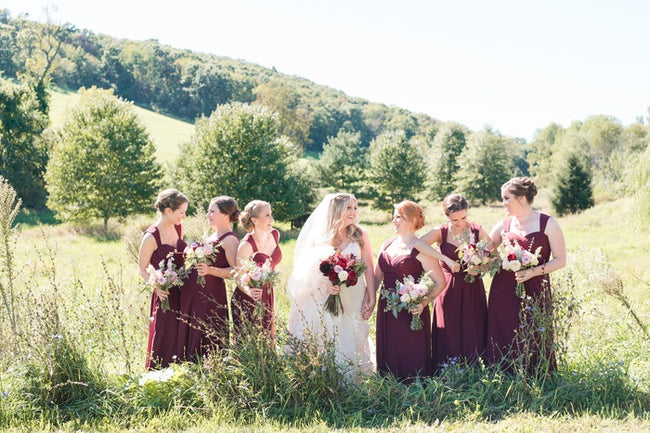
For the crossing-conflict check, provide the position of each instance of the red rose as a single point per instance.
(352, 278)
(512, 257)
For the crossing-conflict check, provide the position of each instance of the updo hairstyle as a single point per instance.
(252, 210)
(412, 211)
(170, 198)
(228, 206)
(521, 186)
(453, 203)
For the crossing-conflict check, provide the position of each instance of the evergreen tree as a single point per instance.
(397, 169)
(238, 151)
(572, 191)
(103, 163)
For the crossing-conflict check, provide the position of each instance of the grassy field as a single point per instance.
(86, 279)
(166, 133)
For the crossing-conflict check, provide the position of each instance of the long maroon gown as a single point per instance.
(402, 352)
(204, 310)
(243, 306)
(460, 311)
(505, 329)
(162, 344)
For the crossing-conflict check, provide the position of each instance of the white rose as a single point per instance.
(343, 275)
(200, 253)
(514, 265)
(405, 298)
(475, 260)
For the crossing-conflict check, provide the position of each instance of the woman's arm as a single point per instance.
(424, 248)
(244, 252)
(370, 297)
(147, 247)
(558, 252)
(432, 268)
(229, 245)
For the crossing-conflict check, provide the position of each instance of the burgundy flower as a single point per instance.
(352, 278)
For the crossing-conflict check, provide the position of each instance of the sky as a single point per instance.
(512, 65)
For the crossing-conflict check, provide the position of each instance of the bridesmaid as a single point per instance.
(261, 243)
(401, 351)
(530, 229)
(460, 312)
(205, 308)
(161, 239)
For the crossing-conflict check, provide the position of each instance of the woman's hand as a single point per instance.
(203, 269)
(419, 308)
(162, 294)
(333, 290)
(367, 308)
(524, 275)
(255, 293)
(452, 264)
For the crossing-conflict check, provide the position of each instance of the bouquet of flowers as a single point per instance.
(517, 258)
(342, 270)
(253, 275)
(165, 277)
(475, 255)
(408, 294)
(199, 252)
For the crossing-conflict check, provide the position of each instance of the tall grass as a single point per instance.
(77, 362)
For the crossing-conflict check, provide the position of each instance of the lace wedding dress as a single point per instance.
(309, 323)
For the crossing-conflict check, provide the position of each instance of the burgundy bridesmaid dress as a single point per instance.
(506, 309)
(162, 347)
(243, 306)
(402, 352)
(460, 311)
(204, 311)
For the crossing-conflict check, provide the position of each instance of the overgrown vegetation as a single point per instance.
(76, 360)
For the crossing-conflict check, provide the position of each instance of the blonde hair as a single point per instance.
(412, 211)
(252, 210)
(335, 211)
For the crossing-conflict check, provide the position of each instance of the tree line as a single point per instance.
(252, 142)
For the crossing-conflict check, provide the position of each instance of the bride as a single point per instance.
(333, 226)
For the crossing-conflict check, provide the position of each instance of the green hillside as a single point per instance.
(166, 132)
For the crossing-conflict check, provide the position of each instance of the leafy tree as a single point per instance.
(343, 162)
(572, 191)
(238, 151)
(448, 144)
(23, 150)
(103, 163)
(543, 147)
(293, 117)
(397, 169)
(485, 165)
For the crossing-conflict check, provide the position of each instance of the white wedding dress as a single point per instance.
(310, 323)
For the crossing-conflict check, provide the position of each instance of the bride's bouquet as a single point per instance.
(165, 277)
(258, 276)
(517, 258)
(199, 252)
(408, 294)
(342, 270)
